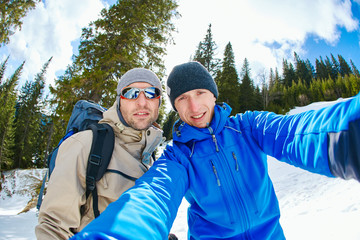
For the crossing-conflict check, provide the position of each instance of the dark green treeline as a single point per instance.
(31, 124)
(300, 83)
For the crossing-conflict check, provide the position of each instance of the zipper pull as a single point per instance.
(213, 137)
(216, 174)
(236, 162)
(215, 141)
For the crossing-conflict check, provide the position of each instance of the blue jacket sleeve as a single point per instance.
(324, 141)
(145, 211)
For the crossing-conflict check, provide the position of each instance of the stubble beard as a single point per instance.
(142, 125)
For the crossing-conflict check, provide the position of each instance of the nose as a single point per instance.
(193, 104)
(141, 100)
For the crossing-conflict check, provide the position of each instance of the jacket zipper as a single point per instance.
(242, 210)
(237, 197)
(213, 137)
(236, 162)
(222, 191)
(228, 195)
(216, 174)
(245, 185)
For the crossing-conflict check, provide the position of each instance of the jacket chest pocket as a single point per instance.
(112, 185)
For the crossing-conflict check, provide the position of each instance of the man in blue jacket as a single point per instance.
(219, 163)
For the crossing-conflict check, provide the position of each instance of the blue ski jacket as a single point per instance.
(222, 171)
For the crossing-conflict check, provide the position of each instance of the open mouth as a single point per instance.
(198, 116)
(141, 114)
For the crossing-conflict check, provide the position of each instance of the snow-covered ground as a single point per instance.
(313, 207)
(14, 197)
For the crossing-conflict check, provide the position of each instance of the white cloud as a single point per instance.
(48, 31)
(264, 32)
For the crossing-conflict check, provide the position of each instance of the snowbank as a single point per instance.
(18, 190)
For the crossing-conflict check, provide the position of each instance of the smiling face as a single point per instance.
(140, 113)
(196, 107)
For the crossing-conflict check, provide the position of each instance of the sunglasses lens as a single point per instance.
(152, 92)
(133, 93)
(130, 93)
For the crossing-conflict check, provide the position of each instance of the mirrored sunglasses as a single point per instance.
(133, 92)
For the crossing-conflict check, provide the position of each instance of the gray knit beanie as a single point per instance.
(138, 75)
(132, 76)
(189, 76)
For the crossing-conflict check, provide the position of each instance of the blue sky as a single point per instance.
(347, 46)
(264, 32)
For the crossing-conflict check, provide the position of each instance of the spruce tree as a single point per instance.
(205, 53)
(171, 118)
(247, 97)
(228, 80)
(344, 68)
(321, 70)
(276, 94)
(7, 114)
(303, 70)
(335, 64)
(330, 69)
(315, 91)
(28, 120)
(12, 12)
(288, 73)
(354, 69)
(131, 33)
(355, 85)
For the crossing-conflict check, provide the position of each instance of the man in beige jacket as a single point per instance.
(65, 209)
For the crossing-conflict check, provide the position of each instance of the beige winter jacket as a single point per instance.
(59, 216)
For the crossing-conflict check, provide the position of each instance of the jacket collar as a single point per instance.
(149, 138)
(182, 132)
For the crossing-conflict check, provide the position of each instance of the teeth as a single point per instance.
(142, 113)
(198, 116)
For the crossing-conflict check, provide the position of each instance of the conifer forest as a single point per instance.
(131, 35)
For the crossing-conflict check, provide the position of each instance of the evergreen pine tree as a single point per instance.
(344, 68)
(259, 100)
(28, 120)
(276, 94)
(205, 53)
(315, 91)
(171, 118)
(228, 80)
(330, 69)
(247, 97)
(7, 114)
(12, 13)
(131, 33)
(288, 73)
(321, 70)
(355, 85)
(354, 69)
(335, 64)
(43, 145)
(303, 70)
(2, 72)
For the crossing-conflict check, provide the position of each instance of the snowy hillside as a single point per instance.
(16, 196)
(313, 207)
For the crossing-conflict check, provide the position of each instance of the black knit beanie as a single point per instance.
(189, 76)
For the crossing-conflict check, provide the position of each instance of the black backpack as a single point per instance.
(86, 115)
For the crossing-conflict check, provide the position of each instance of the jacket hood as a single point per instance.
(183, 132)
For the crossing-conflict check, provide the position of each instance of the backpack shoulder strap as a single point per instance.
(99, 158)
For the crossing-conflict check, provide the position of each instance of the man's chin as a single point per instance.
(141, 126)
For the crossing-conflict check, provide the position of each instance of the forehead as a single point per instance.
(193, 92)
(140, 85)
